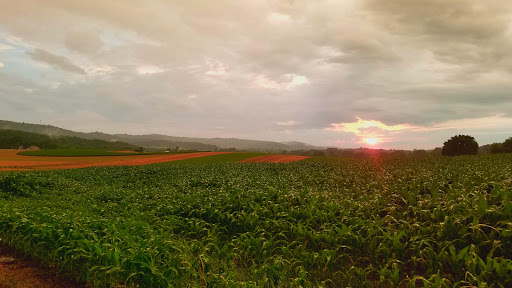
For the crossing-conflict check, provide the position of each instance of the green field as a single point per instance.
(431, 222)
(219, 158)
(86, 153)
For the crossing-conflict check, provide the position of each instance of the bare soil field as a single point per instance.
(275, 159)
(11, 161)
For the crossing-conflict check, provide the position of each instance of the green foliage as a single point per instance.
(429, 222)
(12, 139)
(496, 148)
(460, 145)
(507, 145)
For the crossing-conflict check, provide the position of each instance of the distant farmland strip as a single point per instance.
(275, 158)
(11, 161)
(222, 158)
(77, 153)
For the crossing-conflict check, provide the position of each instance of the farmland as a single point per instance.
(430, 222)
(14, 160)
(77, 153)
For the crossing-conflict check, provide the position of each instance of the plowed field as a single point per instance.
(11, 161)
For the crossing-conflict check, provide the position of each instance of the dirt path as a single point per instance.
(24, 273)
(275, 158)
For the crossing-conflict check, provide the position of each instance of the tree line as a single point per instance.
(466, 145)
(505, 147)
(14, 139)
(456, 145)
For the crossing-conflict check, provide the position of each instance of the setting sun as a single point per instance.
(371, 141)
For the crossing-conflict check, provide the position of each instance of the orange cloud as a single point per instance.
(361, 127)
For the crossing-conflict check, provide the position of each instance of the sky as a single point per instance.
(400, 74)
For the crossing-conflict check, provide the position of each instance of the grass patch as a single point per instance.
(220, 158)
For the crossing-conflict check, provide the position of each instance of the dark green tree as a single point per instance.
(460, 145)
(506, 146)
(496, 148)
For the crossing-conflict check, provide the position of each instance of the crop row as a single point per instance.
(433, 222)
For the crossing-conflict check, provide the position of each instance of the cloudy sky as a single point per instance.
(409, 73)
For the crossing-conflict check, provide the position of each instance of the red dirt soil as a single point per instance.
(25, 273)
(275, 159)
(11, 161)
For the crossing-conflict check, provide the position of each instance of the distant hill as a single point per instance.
(163, 141)
(301, 146)
(14, 139)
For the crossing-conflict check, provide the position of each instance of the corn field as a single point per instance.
(431, 222)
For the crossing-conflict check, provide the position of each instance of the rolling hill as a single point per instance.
(163, 141)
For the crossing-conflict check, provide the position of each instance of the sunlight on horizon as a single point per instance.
(371, 141)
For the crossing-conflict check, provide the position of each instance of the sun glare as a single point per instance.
(371, 141)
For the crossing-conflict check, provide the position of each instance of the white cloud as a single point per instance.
(4, 47)
(264, 82)
(98, 69)
(297, 80)
(289, 81)
(1, 64)
(216, 68)
(287, 123)
(149, 69)
(278, 18)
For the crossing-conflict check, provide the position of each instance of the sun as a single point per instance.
(371, 141)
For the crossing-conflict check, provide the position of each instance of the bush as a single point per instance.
(460, 145)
